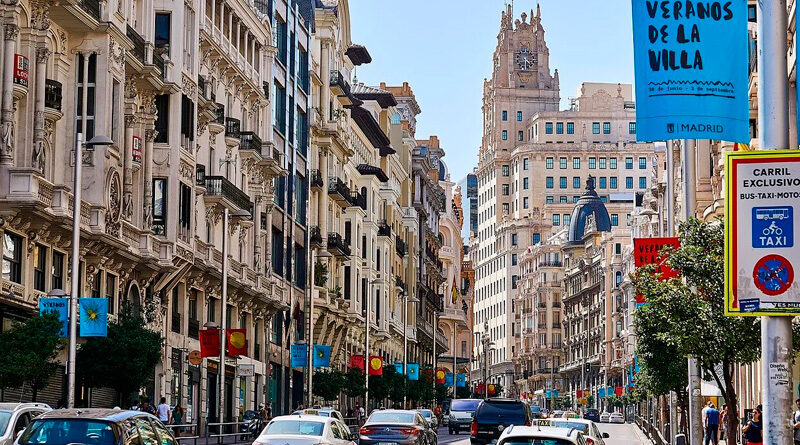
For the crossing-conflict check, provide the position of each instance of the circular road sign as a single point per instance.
(773, 275)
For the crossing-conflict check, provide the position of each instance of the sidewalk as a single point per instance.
(232, 440)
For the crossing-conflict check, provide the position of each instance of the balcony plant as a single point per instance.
(320, 274)
(335, 292)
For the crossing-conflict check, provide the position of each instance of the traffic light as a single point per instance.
(587, 368)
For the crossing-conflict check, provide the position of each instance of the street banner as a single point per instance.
(58, 306)
(579, 393)
(461, 380)
(647, 251)
(601, 393)
(455, 291)
(375, 365)
(299, 356)
(610, 391)
(209, 342)
(492, 389)
(441, 374)
(762, 194)
(398, 368)
(691, 65)
(93, 317)
(357, 361)
(549, 393)
(322, 356)
(413, 371)
(448, 379)
(237, 342)
(480, 388)
(618, 390)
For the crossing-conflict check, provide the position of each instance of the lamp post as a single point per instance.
(76, 240)
(375, 282)
(406, 300)
(237, 215)
(325, 255)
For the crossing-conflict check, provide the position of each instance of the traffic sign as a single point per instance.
(762, 194)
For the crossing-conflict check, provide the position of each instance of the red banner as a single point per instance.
(441, 374)
(237, 342)
(480, 388)
(20, 70)
(579, 393)
(375, 365)
(492, 389)
(647, 251)
(357, 361)
(618, 390)
(209, 342)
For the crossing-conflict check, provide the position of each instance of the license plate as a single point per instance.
(387, 443)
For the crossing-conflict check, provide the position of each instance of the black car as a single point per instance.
(495, 415)
(398, 427)
(94, 426)
(592, 414)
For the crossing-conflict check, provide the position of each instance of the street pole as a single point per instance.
(455, 337)
(366, 351)
(552, 384)
(223, 318)
(405, 344)
(773, 124)
(435, 330)
(310, 367)
(75, 284)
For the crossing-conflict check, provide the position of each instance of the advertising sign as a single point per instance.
(137, 149)
(647, 251)
(237, 342)
(357, 361)
(58, 306)
(209, 342)
(299, 356)
(762, 193)
(322, 356)
(461, 380)
(20, 70)
(691, 64)
(246, 370)
(413, 371)
(93, 316)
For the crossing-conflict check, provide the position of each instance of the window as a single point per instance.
(548, 128)
(562, 199)
(279, 113)
(505, 115)
(513, 239)
(562, 162)
(57, 279)
(629, 163)
(302, 69)
(162, 33)
(642, 162)
(559, 128)
(562, 182)
(505, 208)
(513, 259)
(576, 162)
(570, 128)
(549, 163)
(505, 189)
(159, 205)
(642, 182)
(548, 200)
(602, 182)
(514, 279)
(613, 181)
(39, 267)
(525, 162)
(525, 202)
(90, 94)
(612, 163)
(592, 163)
(519, 116)
(111, 291)
(520, 135)
(525, 183)
(576, 182)
(595, 127)
(12, 258)
(617, 249)
(302, 132)
(505, 135)
(185, 199)
(506, 170)
(162, 119)
(602, 163)
(556, 220)
(606, 127)
(548, 182)
(280, 36)
(629, 182)
(614, 220)
(536, 238)
(187, 121)
(566, 218)
(631, 127)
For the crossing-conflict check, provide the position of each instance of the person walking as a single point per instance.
(177, 419)
(753, 433)
(711, 424)
(797, 423)
(723, 420)
(164, 412)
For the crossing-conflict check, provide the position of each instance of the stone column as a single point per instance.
(322, 206)
(7, 141)
(38, 157)
(213, 16)
(325, 99)
(147, 218)
(257, 263)
(127, 170)
(268, 209)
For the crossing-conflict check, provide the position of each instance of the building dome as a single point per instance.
(589, 215)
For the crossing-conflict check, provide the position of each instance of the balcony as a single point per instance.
(337, 246)
(399, 246)
(398, 282)
(341, 88)
(233, 128)
(315, 236)
(52, 94)
(138, 41)
(200, 175)
(220, 190)
(92, 7)
(315, 179)
(339, 191)
(358, 200)
(250, 141)
(384, 229)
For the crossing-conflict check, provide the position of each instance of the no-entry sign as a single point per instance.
(762, 199)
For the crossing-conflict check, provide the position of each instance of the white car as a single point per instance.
(585, 426)
(324, 412)
(604, 416)
(428, 415)
(14, 417)
(616, 418)
(304, 429)
(536, 435)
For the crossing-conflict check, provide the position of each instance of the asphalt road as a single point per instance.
(619, 434)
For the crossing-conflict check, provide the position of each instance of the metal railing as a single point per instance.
(92, 7)
(220, 114)
(138, 44)
(220, 186)
(181, 430)
(384, 229)
(227, 429)
(250, 141)
(233, 128)
(315, 178)
(52, 94)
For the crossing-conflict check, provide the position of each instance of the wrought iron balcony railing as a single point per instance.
(52, 94)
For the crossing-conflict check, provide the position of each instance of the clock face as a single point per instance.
(524, 59)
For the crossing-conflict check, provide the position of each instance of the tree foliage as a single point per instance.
(328, 384)
(354, 383)
(29, 353)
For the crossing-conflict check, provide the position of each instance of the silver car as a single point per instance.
(15, 417)
(305, 429)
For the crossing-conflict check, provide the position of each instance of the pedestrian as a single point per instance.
(797, 423)
(146, 408)
(723, 420)
(164, 413)
(752, 431)
(135, 406)
(711, 424)
(177, 419)
(359, 413)
(268, 411)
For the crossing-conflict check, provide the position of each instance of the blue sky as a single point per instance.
(443, 48)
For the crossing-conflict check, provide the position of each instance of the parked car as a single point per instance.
(461, 413)
(616, 418)
(604, 417)
(540, 436)
(495, 415)
(400, 427)
(428, 415)
(305, 429)
(536, 412)
(324, 412)
(557, 413)
(592, 414)
(585, 426)
(14, 417)
(95, 426)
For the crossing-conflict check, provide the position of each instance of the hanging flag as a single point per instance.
(93, 317)
(299, 354)
(618, 390)
(579, 393)
(58, 306)
(480, 389)
(209, 342)
(448, 379)
(357, 362)
(492, 389)
(455, 291)
(413, 371)
(237, 342)
(441, 374)
(398, 368)
(461, 380)
(601, 393)
(375, 365)
(322, 356)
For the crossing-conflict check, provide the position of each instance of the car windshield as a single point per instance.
(536, 441)
(5, 416)
(391, 418)
(464, 405)
(426, 412)
(580, 426)
(509, 412)
(301, 427)
(68, 431)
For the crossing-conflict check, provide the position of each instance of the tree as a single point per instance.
(124, 360)
(354, 383)
(421, 390)
(29, 353)
(441, 392)
(463, 392)
(691, 316)
(328, 384)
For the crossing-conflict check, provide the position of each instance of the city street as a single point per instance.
(626, 434)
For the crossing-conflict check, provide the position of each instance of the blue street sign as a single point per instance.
(773, 227)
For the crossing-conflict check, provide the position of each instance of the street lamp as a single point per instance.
(406, 300)
(76, 239)
(375, 282)
(237, 216)
(456, 325)
(325, 255)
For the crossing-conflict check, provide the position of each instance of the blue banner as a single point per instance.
(93, 317)
(58, 306)
(398, 368)
(413, 371)
(549, 393)
(461, 380)
(299, 354)
(448, 379)
(601, 393)
(691, 63)
(322, 356)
